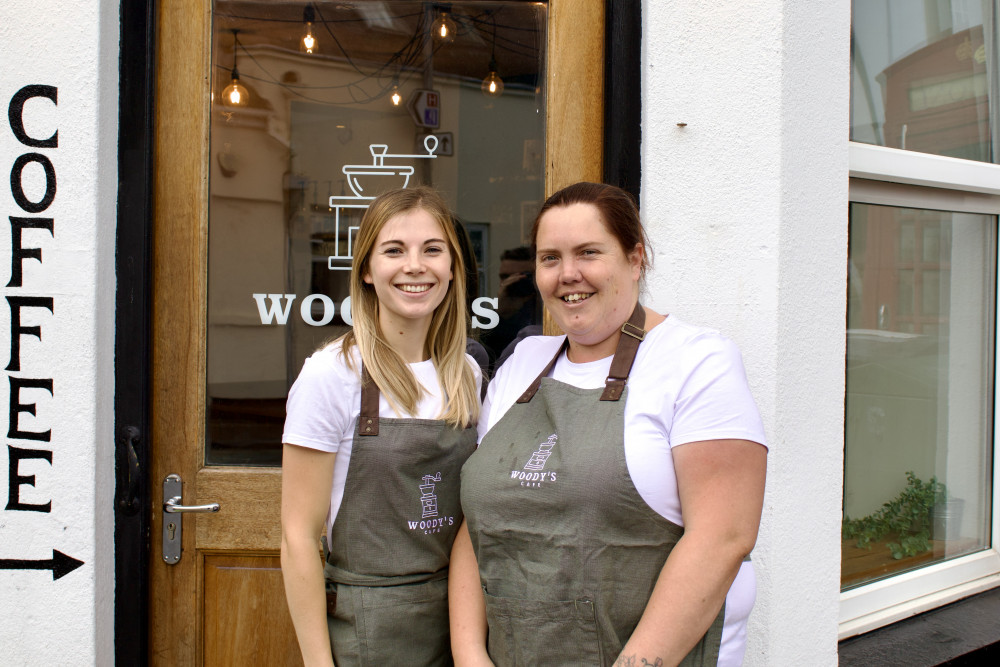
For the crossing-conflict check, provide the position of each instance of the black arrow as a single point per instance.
(60, 564)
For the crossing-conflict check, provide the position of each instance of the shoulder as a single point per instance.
(688, 344)
(528, 359)
(327, 366)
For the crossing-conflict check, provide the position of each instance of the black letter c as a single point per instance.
(15, 113)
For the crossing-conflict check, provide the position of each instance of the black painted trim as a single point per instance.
(623, 94)
(132, 330)
(966, 632)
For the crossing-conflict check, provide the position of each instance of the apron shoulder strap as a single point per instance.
(529, 393)
(621, 365)
(368, 417)
(628, 344)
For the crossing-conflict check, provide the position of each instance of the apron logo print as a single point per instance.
(429, 505)
(535, 464)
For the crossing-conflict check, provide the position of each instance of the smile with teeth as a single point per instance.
(414, 288)
(573, 298)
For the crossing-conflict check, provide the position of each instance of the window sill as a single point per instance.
(963, 632)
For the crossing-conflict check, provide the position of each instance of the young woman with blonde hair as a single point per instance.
(379, 423)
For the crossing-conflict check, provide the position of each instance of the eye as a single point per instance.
(392, 250)
(434, 250)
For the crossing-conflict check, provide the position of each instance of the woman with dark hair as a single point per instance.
(379, 423)
(617, 489)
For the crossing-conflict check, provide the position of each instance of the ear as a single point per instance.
(635, 260)
(367, 277)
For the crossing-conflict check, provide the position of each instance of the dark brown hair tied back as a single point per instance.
(617, 209)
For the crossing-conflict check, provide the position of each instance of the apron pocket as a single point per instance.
(541, 632)
(406, 625)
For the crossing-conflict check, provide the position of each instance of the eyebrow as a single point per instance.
(576, 248)
(400, 242)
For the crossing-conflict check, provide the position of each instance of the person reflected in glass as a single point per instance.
(617, 488)
(378, 425)
(518, 305)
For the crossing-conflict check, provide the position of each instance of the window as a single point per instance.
(316, 108)
(920, 524)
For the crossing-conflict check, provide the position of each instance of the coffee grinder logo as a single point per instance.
(533, 473)
(430, 522)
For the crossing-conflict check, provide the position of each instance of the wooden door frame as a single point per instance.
(609, 151)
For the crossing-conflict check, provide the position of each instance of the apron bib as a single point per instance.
(387, 564)
(568, 550)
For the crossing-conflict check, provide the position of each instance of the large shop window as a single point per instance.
(920, 522)
(316, 108)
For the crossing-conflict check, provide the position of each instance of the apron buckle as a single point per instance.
(630, 329)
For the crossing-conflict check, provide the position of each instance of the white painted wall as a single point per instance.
(75, 49)
(747, 210)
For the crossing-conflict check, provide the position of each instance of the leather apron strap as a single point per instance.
(621, 365)
(368, 416)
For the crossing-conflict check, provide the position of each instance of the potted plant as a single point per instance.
(909, 517)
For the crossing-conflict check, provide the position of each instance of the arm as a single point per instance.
(466, 605)
(721, 487)
(306, 480)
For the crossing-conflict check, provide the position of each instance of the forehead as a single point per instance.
(572, 224)
(413, 226)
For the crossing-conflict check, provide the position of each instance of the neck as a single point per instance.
(409, 339)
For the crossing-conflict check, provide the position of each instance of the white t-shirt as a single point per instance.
(324, 403)
(687, 385)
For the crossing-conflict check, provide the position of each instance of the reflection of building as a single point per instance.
(936, 98)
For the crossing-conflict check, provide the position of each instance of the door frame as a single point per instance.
(132, 329)
(616, 148)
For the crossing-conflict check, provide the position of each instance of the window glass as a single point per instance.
(921, 295)
(922, 75)
(307, 128)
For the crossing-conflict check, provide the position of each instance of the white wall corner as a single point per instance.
(744, 190)
(69, 620)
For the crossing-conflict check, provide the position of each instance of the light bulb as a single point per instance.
(492, 84)
(308, 43)
(444, 29)
(235, 94)
(396, 97)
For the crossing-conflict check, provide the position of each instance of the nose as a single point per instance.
(568, 271)
(414, 261)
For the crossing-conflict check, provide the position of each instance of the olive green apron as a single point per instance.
(387, 564)
(568, 550)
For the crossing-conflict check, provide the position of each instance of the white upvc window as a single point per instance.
(921, 493)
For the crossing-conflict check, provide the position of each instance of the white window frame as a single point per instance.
(958, 185)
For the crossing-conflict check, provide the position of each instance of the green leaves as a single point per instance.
(907, 517)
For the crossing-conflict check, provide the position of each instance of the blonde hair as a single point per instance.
(446, 337)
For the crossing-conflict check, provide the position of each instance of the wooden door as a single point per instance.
(223, 603)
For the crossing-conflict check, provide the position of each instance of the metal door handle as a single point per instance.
(172, 489)
(173, 506)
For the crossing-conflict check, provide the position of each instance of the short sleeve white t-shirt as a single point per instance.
(687, 385)
(325, 400)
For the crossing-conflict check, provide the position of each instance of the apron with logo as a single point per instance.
(568, 550)
(387, 565)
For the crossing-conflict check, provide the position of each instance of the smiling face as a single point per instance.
(588, 282)
(410, 268)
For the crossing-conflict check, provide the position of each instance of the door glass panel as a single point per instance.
(307, 128)
(922, 75)
(920, 368)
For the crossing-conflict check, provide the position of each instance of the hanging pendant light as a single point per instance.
(235, 94)
(492, 85)
(443, 29)
(395, 97)
(308, 44)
